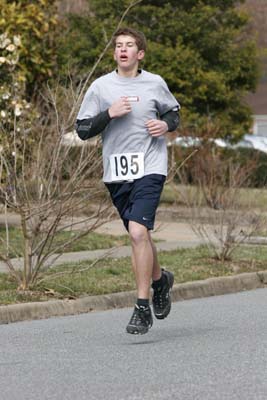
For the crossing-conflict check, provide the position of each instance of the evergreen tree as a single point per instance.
(200, 47)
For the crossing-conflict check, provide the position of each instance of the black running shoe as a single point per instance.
(141, 320)
(161, 299)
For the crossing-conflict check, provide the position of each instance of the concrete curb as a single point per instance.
(184, 291)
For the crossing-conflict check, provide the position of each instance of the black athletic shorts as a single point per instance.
(138, 200)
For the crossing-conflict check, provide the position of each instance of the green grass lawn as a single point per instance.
(114, 275)
(92, 241)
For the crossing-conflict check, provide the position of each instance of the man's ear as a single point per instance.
(140, 55)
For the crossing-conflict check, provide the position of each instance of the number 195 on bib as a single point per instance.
(126, 166)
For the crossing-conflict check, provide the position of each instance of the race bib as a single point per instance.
(126, 166)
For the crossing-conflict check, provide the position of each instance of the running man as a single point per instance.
(133, 109)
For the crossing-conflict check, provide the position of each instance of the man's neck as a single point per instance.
(128, 73)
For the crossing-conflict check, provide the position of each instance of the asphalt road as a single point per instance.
(207, 349)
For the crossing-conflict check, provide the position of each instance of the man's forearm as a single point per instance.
(172, 119)
(90, 127)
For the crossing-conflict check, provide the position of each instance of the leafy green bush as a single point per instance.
(15, 111)
(27, 61)
(36, 23)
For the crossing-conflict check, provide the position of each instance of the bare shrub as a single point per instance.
(55, 184)
(216, 215)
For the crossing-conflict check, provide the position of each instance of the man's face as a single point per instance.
(126, 53)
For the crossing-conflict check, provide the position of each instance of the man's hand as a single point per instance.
(119, 108)
(156, 127)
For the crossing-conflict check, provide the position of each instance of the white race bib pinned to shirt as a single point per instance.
(127, 166)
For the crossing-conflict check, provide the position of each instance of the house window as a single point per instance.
(262, 129)
(260, 125)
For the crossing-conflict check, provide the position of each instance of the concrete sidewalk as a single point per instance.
(172, 235)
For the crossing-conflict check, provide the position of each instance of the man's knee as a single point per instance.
(138, 233)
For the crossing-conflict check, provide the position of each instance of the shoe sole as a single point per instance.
(168, 309)
(141, 330)
(136, 331)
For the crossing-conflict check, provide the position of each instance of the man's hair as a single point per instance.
(139, 37)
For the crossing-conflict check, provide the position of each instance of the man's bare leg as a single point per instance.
(146, 267)
(142, 258)
(156, 274)
(156, 270)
